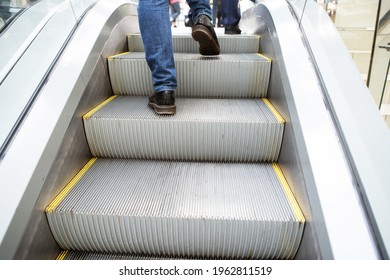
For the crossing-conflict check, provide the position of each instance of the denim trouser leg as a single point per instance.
(199, 7)
(215, 11)
(175, 10)
(155, 27)
(230, 12)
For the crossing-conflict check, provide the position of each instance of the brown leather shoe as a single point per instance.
(203, 32)
(163, 102)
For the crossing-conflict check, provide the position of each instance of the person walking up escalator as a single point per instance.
(156, 33)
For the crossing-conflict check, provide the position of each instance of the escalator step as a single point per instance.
(82, 255)
(178, 209)
(85, 255)
(183, 43)
(223, 76)
(239, 130)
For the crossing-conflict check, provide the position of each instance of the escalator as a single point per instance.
(201, 184)
(254, 165)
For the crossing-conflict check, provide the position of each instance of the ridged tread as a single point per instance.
(238, 130)
(223, 76)
(184, 43)
(83, 255)
(179, 209)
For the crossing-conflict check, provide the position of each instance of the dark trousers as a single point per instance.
(231, 14)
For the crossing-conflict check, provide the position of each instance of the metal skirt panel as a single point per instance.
(183, 43)
(179, 209)
(223, 76)
(238, 130)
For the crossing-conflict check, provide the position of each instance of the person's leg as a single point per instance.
(230, 12)
(200, 7)
(175, 10)
(219, 14)
(215, 10)
(202, 30)
(155, 27)
(231, 16)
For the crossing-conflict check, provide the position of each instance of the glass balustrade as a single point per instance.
(9, 9)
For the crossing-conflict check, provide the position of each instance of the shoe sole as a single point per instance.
(163, 109)
(207, 44)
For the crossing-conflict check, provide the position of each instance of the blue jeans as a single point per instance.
(231, 14)
(175, 11)
(155, 27)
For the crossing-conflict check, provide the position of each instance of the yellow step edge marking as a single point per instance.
(53, 205)
(274, 111)
(111, 57)
(62, 255)
(263, 56)
(294, 205)
(97, 108)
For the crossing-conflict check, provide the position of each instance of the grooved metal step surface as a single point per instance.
(85, 255)
(238, 130)
(224, 76)
(200, 184)
(178, 209)
(183, 43)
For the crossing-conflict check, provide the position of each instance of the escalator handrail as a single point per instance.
(312, 157)
(8, 23)
(18, 49)
(33, 150)
(363, 133)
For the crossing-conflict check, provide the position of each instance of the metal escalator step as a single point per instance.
(84, 255)
(183, 43)
(239, 130)
(223, 76)
(178, 209)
